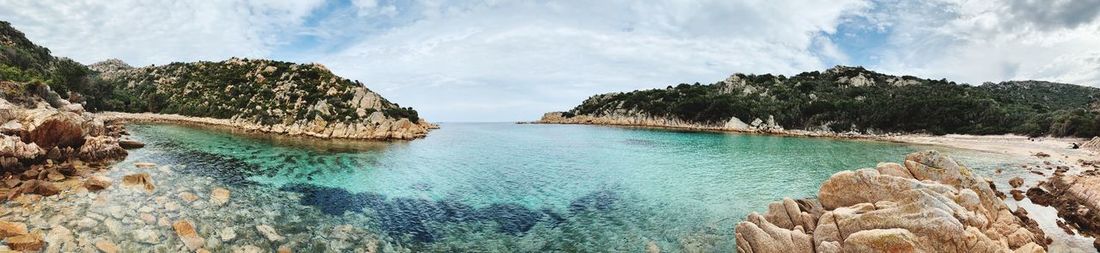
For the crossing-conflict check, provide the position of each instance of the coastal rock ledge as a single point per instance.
(928, 204)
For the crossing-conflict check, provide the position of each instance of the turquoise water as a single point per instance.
(508, 187)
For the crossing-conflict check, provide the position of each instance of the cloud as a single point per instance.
(513, 60)
(148, 32)
(985, 40)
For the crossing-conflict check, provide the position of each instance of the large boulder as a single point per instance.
(101, 148)
(57, 129)
(931, 204)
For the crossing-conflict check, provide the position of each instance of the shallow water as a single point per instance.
(484, 187)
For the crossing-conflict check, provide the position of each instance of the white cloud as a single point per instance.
(978, 41)
(148, 32)
(513, 60)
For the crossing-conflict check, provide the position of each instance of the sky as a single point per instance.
(504, 60)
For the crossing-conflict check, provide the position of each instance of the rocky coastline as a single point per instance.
(49, 146)
(376, 129)
(930, 203)
(735, 125)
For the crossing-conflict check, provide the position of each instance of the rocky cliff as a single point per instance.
(928, 204)
(849, 99)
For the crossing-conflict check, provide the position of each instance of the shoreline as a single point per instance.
(984, 143)
(387, 131)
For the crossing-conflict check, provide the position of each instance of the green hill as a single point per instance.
(856, 99)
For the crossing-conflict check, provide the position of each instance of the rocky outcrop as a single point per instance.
(929, 204)
(1077, 199)
(1093, 144)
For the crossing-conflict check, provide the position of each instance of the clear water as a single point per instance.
(508, 187)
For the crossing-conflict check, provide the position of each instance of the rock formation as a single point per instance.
(929, 204)
(1077, 199)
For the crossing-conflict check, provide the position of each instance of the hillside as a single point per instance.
(845, 99)
(264, 95)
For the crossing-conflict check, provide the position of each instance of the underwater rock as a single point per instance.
(269, 233)
(188, 197)
(96, 183)
(9, 229)
(145, 165)
(219, 196)
(27, 242)
(106, 246)
(187, 234)
(139, 180)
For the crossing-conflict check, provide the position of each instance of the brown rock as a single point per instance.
(219, 196)
(933, 204)
(187, 234)
(55, 176)
(139, 180)
(144, 165)
(1017, 194)
(286, 249)
(101, 148)
(61, 129)
(188, 197)
(1016, 182)
(27, 242)
(96, 183)
(106, 246)
(130, 144)
(9, 229)
(756, 234)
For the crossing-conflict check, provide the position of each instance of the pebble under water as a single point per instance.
(490, 187)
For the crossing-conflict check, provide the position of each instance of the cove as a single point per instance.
(508, 187)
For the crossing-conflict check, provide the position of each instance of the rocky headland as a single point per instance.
(848, 101)
(258, 95)
(931, 203)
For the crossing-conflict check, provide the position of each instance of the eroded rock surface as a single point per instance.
(929, 204)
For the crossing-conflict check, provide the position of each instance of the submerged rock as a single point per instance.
(96, 183)
(27, 242)
(145, 165)
(929, 204)
(106, 246)
(9, 229)
(187, 234)
(269, 233)
(219, 196)
(139, 180)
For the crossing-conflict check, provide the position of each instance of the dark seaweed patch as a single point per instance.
(415, 217)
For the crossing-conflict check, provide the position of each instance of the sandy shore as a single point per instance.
(1015, 145)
